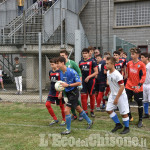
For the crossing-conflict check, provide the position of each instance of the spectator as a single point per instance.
(17, 69)
(1, 79)
(50, 3)
(20, 6)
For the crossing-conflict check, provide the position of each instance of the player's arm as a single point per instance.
(121, 84)
(77, 69)
(92, 75)
(126, 72)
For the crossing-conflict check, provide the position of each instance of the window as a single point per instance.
(132, 14)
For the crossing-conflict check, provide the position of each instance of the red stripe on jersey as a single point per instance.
(84, 63)
(90, 69)
(120, 82)
(53, 74)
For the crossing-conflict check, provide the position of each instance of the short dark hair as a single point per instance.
(135, 50)
(125, 53)
(107, 53)
(120, 50)
(64, 51)
(116, 52)
(99, 55)
(53, 60)
(112, 59)
(145, 55)
(61, 59)
(85, 50)
(91, 48)
(16, 58)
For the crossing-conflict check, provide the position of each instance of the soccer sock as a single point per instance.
(146, 105)
(68, 121)
(84, 115)
(114, 117)
(73, 111)
(92, 102)
(99, 98)
(107, 90)
(103, 102)
(62, 111)
(126, 122)
(50, 110)
(84, 101)
(140, 111)
(129, 114)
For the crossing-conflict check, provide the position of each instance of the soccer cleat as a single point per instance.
(125, 131)
(117, 127)
(145, 116)
(63, 123)
(105, 98)
(66, 132)
(73, 117)
(80, 118)
(53, 122)
(140, 124)
(3, 89)
(98, 109)
(90, 125)
(92, 114)
(131, 120)
(103, 107)
(17, 93)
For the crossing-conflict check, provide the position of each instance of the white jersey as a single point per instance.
(147, 80)
(113, 79)
(1, 73)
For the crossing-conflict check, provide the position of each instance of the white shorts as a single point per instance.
(123, 104)
(146, 92)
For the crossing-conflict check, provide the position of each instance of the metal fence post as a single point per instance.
(114, 43)
(78, 46)
(40, 68)
(24, 29)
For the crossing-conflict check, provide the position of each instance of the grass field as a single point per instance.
(23, 126)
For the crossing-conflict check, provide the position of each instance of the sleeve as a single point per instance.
(142, 73)
(94, 64)
(119, 79)
(76, 68)
(13, 68)
(21, 67)
(76, 76)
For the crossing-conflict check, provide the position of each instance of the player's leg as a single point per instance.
(17, 84)
(129, 95)
(146, 98)
(139, 98)
(85, 116)
(106, 93)
(96, 96)
(91, 91)
(51, 111)
(84, 97)
(110, 110)
(101, 93)
(20, 85)
(61, 103)
(123, 107)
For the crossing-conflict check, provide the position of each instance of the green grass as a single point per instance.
(21, 125)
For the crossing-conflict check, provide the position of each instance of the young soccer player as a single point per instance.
(73, 65)
(100, 83)
(53, 98)
(117, 96)
(89, 70)
(71, 82)
(146, 85)
(1, 78)
(91, 51)
(136, 71)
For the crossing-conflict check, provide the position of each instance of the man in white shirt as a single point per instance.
(118, 97)
(146, 85)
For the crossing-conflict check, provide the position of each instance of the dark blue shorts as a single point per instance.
(100, 87)
(54, 100)
(88, 87)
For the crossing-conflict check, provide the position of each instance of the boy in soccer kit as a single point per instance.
(71, 81)
(1, 78)
(73, 65)
(89, 70)
(146, 85)
(117, 97)
(136, 72)
(100, 83)
(52, 98)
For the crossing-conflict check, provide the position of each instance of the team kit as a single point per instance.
(109, 82)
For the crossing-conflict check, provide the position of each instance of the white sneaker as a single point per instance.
(98, 108)
(3, 89)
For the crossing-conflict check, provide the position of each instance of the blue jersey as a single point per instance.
(120, 65)
(101, 78)
(54, 77)
(70, 76)
(87, 67)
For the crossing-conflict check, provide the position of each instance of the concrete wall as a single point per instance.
(135, 35)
